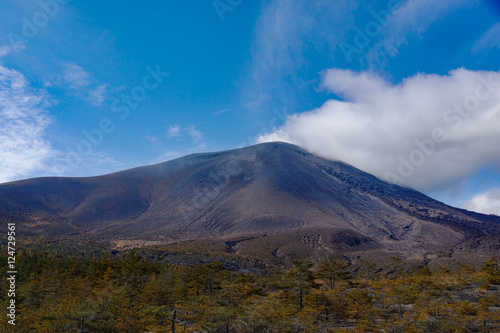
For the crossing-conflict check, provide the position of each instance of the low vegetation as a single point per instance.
(144, 292)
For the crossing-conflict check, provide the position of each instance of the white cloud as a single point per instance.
(393, 130)
(4, 50)
(183, 133)
(82, 84)
(490, 39)
(190, 131)
(23, 118)
(173, 131)
(196, 135)
(75, 76)
(487, 202)
(97, 96)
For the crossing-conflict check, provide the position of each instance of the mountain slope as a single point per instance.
(274, 190)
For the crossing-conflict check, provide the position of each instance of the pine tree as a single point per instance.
(302, 278)
(333, 270)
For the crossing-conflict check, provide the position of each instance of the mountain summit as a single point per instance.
(272, 195)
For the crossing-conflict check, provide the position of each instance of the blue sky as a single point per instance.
(93, 87)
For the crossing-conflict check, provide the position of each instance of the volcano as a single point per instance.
(275, 196)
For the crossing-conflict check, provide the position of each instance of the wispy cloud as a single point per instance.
(24, 119)
(173, 131)
(240, 106)
(176, 131)
(189, 132)
(83, 85)
(410, 20)
(286, 31)
(4, 50)
(196, 135)
(97, 96)
(382, 127)
(290, 34)
(489, 40)
(75, 76)
(487, 202)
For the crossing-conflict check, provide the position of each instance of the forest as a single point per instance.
(142, 291)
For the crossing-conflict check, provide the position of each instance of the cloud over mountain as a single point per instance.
(425, 132)
(487, 202)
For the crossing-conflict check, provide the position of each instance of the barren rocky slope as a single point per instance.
(273, 191)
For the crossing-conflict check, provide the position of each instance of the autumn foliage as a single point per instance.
(129, 293)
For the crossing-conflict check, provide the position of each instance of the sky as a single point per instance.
(406, 90)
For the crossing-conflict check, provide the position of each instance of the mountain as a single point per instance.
(272, 197)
